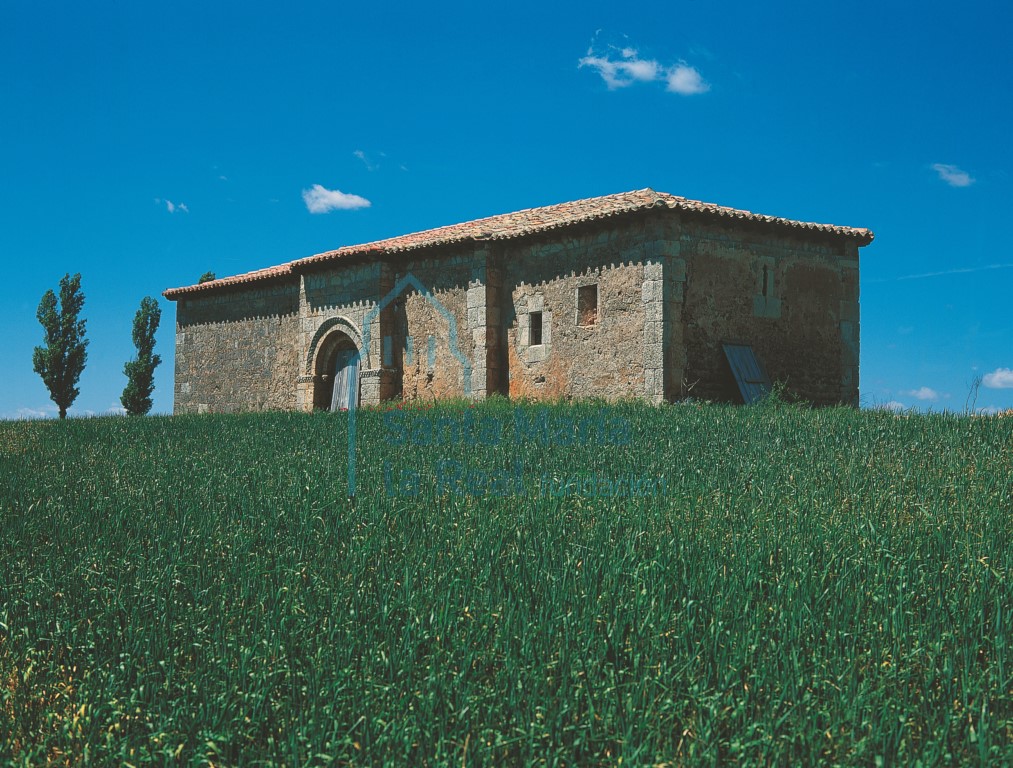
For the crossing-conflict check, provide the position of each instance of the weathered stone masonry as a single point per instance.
(629, 295)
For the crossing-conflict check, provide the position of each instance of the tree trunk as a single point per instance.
(63, 412)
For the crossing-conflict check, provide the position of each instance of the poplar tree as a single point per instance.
(140, 371)
(61, 360)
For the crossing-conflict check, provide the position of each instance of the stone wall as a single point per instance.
(432, 331)
(785, 296)
(235, 350)
(621, 353)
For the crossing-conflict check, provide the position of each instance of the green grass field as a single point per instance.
(589, 585)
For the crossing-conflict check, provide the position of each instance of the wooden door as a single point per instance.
(346, 380)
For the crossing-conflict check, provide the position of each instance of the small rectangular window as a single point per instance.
(535, 328)
(587, 305)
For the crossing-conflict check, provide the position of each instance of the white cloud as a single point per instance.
(1000, 378)
(953, 175)
(624, 71)
(685, 80)
(45, 412)
(51, 412)
(116, 409)
(893, 405)
(365, 160)
(370, 160)
(923, 393)
(172, 207)
(319, 199)
(622, 67)
(943, 273)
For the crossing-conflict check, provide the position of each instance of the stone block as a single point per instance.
(654, 332)
(476, 297)
(652, 291)
(654, 270)
(476, 317)
(654, 356)
(654, 312)
(654, 383)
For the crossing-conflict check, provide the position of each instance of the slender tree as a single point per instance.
(61, 360)
(136, 397)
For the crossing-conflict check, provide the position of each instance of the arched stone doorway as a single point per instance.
(336, 374)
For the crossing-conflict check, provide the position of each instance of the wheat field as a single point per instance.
(513, 584)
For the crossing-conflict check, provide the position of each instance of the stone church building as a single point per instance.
(641, 294)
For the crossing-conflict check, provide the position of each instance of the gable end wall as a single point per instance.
(235, 350)
(794, 300)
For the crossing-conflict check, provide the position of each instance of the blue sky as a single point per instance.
(142, 144)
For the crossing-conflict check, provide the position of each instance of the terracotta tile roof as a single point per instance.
(246, 277)
(527, 222)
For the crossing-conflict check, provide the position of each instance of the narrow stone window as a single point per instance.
(765, 300)
(587, 305)
(535, 328)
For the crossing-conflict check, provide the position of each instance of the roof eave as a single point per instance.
(223, 285)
